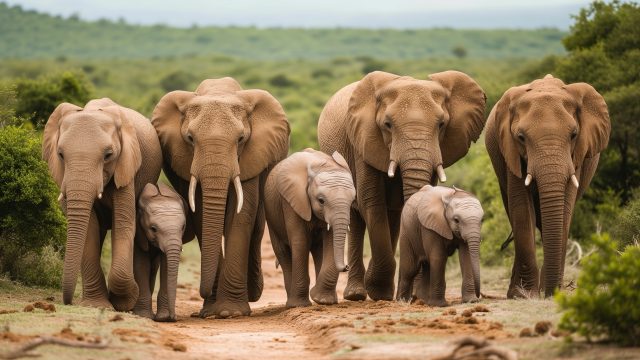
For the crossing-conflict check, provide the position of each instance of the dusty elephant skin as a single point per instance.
(435, 222)
(308, 199)
(100, 157)
(160, 233)
(218, 137)
(383, 122)
(544, 140)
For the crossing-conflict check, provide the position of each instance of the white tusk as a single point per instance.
(574, 180)
(392, 169)
(238, 185)
(192, 193)
(348, 228)
(328, 227)
(222, 244)
(527, 180)
(441, 174)
(60, 197)
(99, 195)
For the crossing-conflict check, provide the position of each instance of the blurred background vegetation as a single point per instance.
(45, 60)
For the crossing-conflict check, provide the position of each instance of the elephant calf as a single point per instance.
(308, 199)
(160, 232)
(435, 222)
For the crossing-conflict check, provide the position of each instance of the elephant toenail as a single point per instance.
(224, 313)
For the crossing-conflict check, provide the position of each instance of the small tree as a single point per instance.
(36, 99)
(459, 51)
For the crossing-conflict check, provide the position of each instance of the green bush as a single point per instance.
(605, 303)
(36, 99)
(39, 268)
(628, 223)
(30, 218)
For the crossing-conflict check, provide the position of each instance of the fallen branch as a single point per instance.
(23, 351)
(482, 349)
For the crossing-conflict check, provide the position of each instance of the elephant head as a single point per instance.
(421, 125)
(87, 149)
(546, 129)
(315, 183)
(214, 136)
(162, 219)
(455, 213)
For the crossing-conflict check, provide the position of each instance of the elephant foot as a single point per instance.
(123, 302)
(521, 293)
(437, 302)
(470, 298)
(294, 303)
(324, 297)
(379, 290)
(225, 309)
(97, 303)
(354, 292)
(144, 313)
(164, 316)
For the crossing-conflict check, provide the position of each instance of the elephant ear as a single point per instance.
(130, 158)
(269, 139)
(167, 119)
(465, 104)
(502, 116)
(338, 158)
(593, 119)
(293, 180)
(362, 129)
(50, 140)
(431, 212)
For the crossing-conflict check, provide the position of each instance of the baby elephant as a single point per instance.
(435, 222)
(161, 229)
(308, 199)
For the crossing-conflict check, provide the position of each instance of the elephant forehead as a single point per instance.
(218, 102)
(418, 89)
(466, 204)
(165, 208)
(334, 179)
(93, 120)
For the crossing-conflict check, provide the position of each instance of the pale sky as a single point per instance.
(327, 13)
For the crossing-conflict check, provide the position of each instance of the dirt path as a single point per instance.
(268, 332)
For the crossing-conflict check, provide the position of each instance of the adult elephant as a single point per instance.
(544, 140)
(384, 121)
(216, 139)
(101, 156)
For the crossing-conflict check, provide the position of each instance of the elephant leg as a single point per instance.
(524, 276)
(299, 288)
(355, 290)
(94, 287)
(468, 288)
(283, 257)
(324, 291)
(232, 297)
(437, 281)
(421, 282)
(255, 281)
(378, 279)
(142, 274)
(409, 268)
(316, 253)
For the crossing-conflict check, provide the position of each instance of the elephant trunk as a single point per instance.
(340, 227)
(80, 197)
(474, 254)
(416, 173)
(173, 260)
(214, 202)
(552, 204)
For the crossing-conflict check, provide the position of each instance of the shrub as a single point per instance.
(628, 223)
(605, 303)
(30, 218)
(36, 99)
(281, 80)
(177, 80)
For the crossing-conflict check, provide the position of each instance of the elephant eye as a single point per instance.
(441, 124)
(190, 138)
(574, 134)
(154, 228)
(241, 138)
(521, 137)
(387, 124)
(60, 155)
(107, 154)
(456, 220)
(321, 201)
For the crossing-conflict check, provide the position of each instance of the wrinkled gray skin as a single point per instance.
(161, 231)
(435, 222)
(308, 200)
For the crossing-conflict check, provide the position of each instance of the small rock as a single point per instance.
(542, 327)
(450, 311)
(116, 317)
(526, 332)
(28, 308)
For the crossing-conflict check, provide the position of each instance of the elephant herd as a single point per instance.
(385, 141)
